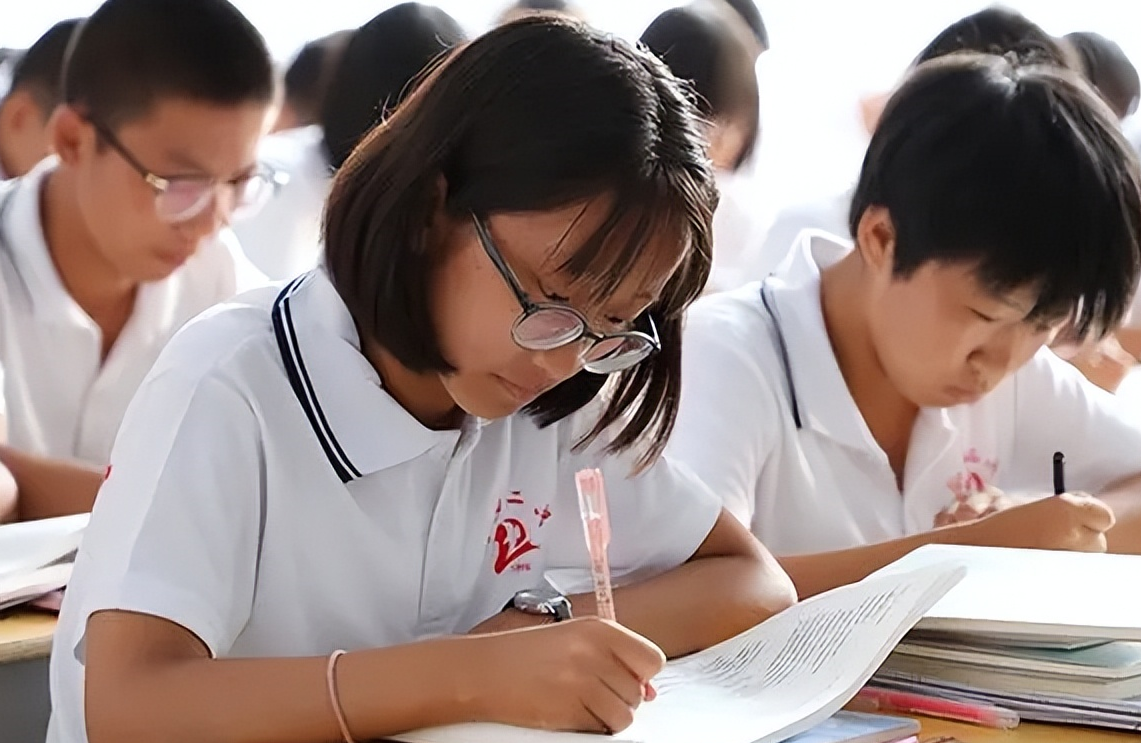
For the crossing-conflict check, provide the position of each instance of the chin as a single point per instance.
(488, 409)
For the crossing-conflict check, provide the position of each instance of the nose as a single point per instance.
(1001, 354)
(214, 215)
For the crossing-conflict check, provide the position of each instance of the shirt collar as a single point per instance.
(825, 404)
(360, 427)
(22, 237)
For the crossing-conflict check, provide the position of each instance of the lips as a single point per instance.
(522, 395)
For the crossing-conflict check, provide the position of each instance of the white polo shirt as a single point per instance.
(283, 238)
(262, 416)
(62, 399)
(826, 484)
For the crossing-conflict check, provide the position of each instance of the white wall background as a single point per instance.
(826, 53)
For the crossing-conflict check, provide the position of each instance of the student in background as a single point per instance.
(33, 95)
(860, 396)
(108, 249)
(708, 45)
(376, 70)
(1115, 78)
(751, 14)
(307, 79)
(381, 457)
(994, 30)
(1109, 71)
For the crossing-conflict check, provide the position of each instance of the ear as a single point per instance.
(875, 238)
(871, 109)
(726, 140)
(19, 112)
(71, 135)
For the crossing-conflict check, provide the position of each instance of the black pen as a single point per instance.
(1059, 473)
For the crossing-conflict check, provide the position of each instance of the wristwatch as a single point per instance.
(543, 602)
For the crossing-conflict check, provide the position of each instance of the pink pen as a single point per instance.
(596, 525)
(902, 702)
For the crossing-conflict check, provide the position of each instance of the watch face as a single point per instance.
(536, 596)
(544, 601)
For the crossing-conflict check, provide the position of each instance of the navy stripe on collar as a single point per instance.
(302, 385)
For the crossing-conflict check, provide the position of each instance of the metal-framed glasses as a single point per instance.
(183, 197)
(545, 326)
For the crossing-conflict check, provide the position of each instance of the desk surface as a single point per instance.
(28, 635)
(1025, 733)
(25, 635)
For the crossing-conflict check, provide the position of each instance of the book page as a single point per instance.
(29, 545)
(776, 680)
(21, 588)
(1018, 591)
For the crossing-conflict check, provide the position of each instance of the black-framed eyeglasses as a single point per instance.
(184, 197)
(545, 326)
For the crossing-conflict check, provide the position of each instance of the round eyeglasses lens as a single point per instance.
(548, 328)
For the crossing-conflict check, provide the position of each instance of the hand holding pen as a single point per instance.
(595, 513)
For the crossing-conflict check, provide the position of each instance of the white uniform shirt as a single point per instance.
(827, 484)
(283, 239)
(262, 417)
(62, 400)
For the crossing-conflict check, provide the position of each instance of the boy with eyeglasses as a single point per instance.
(107, 249)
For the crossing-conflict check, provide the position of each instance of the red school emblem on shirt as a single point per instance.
(511, 533)
(978, 473)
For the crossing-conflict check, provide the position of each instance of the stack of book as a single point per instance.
(1053, 636)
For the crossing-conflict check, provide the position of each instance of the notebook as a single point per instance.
(999, 677)
(776, 680)
(1015, 592)
(1106, 661)
(35, 557)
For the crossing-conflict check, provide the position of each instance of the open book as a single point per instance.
(36, 556)
(772, 682)
(1062, 599)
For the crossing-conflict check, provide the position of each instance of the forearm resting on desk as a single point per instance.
(699, 604)
(50, 487)
(730, 584)
(149, 679)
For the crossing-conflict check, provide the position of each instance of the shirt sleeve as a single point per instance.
(175, 530)
(725, 403)
(1058, 410)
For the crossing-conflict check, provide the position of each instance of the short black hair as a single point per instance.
(39, 69)
(1109, 70)
(130, 54)
(751, 14)
(377, 70)
(308, 75)
(999, 30)
(1019, 169)
(537, 114)
(705, 44)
